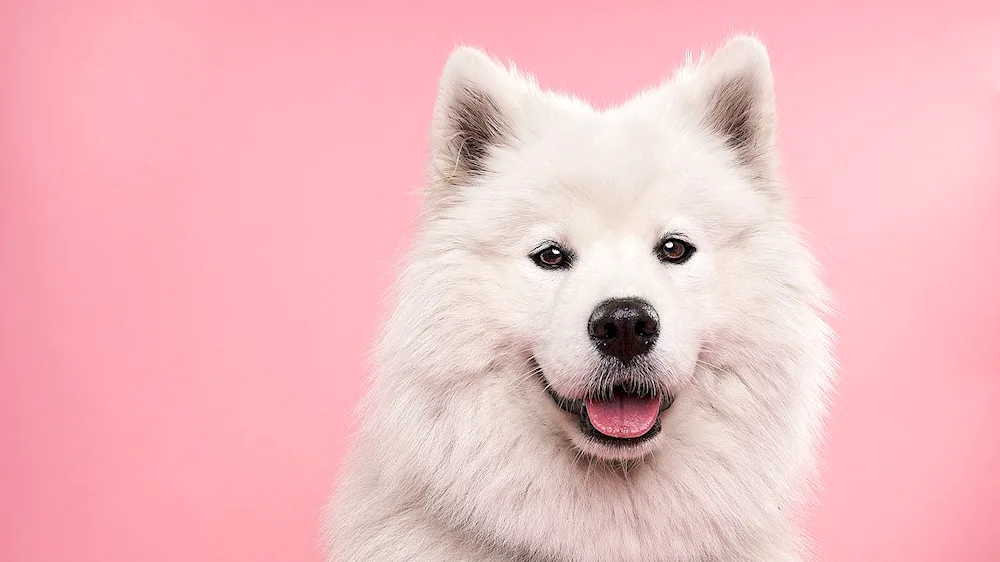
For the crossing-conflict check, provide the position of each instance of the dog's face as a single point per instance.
(606, 243)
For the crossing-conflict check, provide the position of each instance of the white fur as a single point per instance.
(461, 455)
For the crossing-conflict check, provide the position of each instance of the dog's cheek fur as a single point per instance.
(457, 457)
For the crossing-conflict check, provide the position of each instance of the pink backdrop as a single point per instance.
(200, 200)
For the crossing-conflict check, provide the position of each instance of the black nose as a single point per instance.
(624, 328)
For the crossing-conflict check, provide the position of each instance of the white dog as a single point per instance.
(607, 343)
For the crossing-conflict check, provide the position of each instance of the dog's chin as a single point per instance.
(619, 423)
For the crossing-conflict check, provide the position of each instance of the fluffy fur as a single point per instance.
(462, 455)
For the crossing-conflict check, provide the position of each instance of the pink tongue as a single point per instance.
(624, 417)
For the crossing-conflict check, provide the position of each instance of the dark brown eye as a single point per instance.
(674, 250)
(551, 257)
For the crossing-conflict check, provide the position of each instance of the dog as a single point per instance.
(608, 339)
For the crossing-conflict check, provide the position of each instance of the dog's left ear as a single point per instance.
(734, 92)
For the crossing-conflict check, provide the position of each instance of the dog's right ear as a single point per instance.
(473, 117)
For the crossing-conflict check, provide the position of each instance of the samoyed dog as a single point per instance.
(607, 343)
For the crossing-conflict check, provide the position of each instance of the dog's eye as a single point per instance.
(551, 256)
(674, 250)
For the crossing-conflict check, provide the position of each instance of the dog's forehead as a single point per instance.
(595, 143)
(592, 158)
(594, 176)
(610, 167)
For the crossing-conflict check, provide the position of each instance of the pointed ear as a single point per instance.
(472, 116)
(734, 90)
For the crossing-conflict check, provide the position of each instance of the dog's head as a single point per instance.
(609, 251)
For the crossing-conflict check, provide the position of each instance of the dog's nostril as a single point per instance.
(604, 331)
(624, 328)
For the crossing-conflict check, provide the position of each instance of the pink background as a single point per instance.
(200, 201)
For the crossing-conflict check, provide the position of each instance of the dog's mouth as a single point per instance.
(621, 416)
